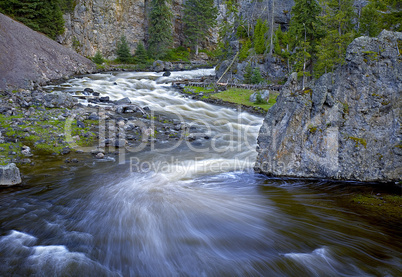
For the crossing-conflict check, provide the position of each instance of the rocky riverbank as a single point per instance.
(37, 126)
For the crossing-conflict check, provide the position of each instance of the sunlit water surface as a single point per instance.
(206, 213)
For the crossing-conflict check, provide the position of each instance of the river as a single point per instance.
(185, 209)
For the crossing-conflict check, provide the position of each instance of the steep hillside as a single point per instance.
(28, 57)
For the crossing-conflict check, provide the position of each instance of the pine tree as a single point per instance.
(160, 28)
(281, 45)
(244, 51)
(391, 18)
(370, 19)
(256, 78)
(338, 18)
(140, 55)
(248, 73)
(123, 50)
(259, 37)
(199, 18)
(98, 59)
(39, 15)
(306, 30)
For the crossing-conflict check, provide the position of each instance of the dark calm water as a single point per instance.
(196, 209)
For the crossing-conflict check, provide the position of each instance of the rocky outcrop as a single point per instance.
(28, 57)
(98, 25)
(263, 9)
(347, 126)
(271, 68)
(9, 175)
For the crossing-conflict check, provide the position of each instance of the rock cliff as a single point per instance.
(28, 57)
(98, 25)
(347, 126)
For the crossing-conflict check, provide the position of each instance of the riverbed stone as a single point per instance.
(58, 100)
(9, 175)
(123, 101)
(348, 126)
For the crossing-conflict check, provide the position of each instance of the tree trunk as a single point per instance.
(196, 48)
(272, 26)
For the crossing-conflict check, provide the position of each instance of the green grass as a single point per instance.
(242, 96)
(197, 90)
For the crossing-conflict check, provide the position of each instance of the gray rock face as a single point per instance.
(28, 57)
(98, 25)
(9, 175)
(347, 126)
(263, 9)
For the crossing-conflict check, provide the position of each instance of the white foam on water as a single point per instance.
(45, 260)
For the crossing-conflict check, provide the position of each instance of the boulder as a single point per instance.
(158, 66)
(264, 95)
(9, 175)
(29, 58)
(58, 100)
(347, 126)
(123, 101)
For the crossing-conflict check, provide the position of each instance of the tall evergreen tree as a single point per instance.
(338, 17)
(140, 55)
(370, 19)
(123, 50)
(160, 28)
(306, 30)
(199, 18)
(40, 15)
(259, 38)
(391, 15)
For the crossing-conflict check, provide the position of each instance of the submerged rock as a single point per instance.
(9, 175)
(347, 126)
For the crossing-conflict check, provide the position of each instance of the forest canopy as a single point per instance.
(45, 16)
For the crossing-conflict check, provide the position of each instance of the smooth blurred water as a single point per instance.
(206, 213)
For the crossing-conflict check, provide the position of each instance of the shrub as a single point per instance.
(176, 54)
(98, 58)
(123, 50)
(140, 56)
(245, 47)
(259, 100)
(256, 78)
(247, 74)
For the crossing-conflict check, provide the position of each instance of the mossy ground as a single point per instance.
(242, 96)
(232, 95)
(42, 132)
